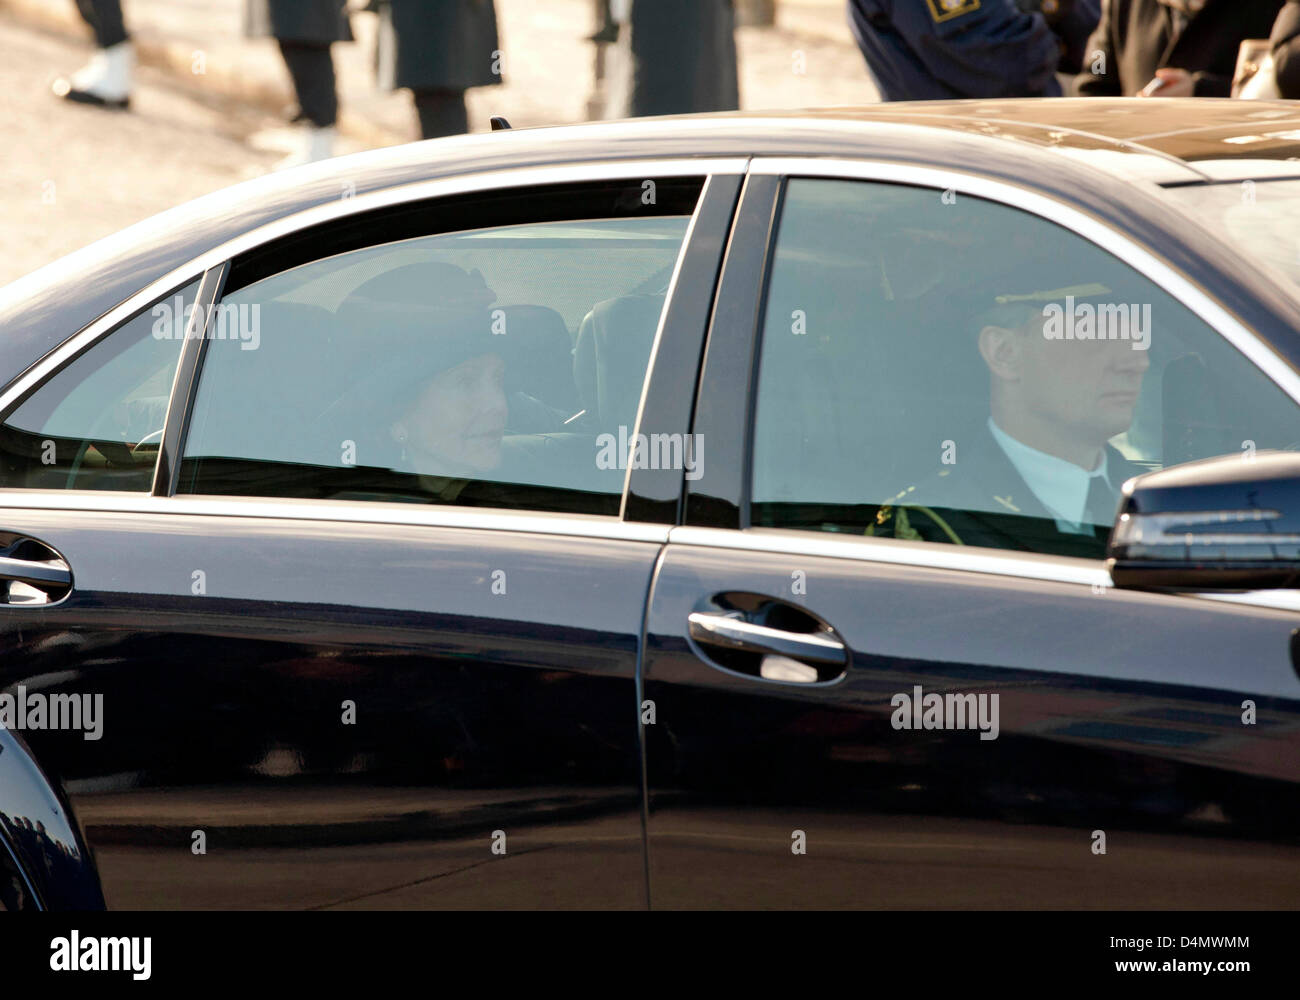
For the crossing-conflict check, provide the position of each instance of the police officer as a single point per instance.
(1171, 48)
(1039, 474)
(438, 49)
(943, 49)
(672, 57)
(105, 81)
(305, 29)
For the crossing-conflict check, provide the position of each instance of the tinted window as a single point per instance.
(491, 366)
(958, 371)
(97, 423)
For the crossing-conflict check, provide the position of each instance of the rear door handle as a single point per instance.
(31, 572)
(36, 572)
(729, 630)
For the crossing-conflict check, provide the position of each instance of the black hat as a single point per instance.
(419, 320)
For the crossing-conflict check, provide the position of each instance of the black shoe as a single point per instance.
(63, 88)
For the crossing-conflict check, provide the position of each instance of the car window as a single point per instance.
(950, 369)
(97, 424)
(497, 366)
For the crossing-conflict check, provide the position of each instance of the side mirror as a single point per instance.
(1229, 523)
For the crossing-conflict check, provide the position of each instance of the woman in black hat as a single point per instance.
(435, 407)
(448, 416)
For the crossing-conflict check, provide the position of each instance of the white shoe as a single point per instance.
(313, 143)
(104, 81)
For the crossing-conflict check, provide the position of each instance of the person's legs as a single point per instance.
(311, 68)
(106, 79)
(105, 19)
(441, 112)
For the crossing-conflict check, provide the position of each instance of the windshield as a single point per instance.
(1259, 218)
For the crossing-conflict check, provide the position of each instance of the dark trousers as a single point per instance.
(441, 112)
(311, 67)
(105, 19)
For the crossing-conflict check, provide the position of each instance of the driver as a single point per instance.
(1057, 396)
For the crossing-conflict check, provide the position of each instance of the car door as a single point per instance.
(359, 625)
(881, 675)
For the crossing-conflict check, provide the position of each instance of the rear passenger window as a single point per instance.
(497, 366)
(962, 372)
(97, 423)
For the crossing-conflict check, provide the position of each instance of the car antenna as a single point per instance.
(499, 123)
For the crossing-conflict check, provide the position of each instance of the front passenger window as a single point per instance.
(964, 372)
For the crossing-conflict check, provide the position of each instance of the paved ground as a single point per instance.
(71, 175)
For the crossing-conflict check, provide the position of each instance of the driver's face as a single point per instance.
(1087, 387)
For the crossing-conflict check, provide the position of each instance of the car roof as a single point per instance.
(1056, 145)
(1262, 138)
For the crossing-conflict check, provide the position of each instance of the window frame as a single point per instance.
(681, 321)
(722, 498)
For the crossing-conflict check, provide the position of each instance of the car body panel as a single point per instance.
(1119, 712)
(226, 694)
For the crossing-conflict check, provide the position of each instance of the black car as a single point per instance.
(689, 512)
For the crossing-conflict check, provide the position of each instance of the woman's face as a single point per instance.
(457, 421)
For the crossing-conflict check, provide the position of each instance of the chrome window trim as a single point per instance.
(777, 541)
(1139, 258)
(932, 555)
(928, 555)
(345, 206)
(349, 511)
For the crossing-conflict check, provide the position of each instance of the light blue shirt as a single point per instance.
(1061, 486)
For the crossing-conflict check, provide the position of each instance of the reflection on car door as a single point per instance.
(338, 710)
(1118, 713)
